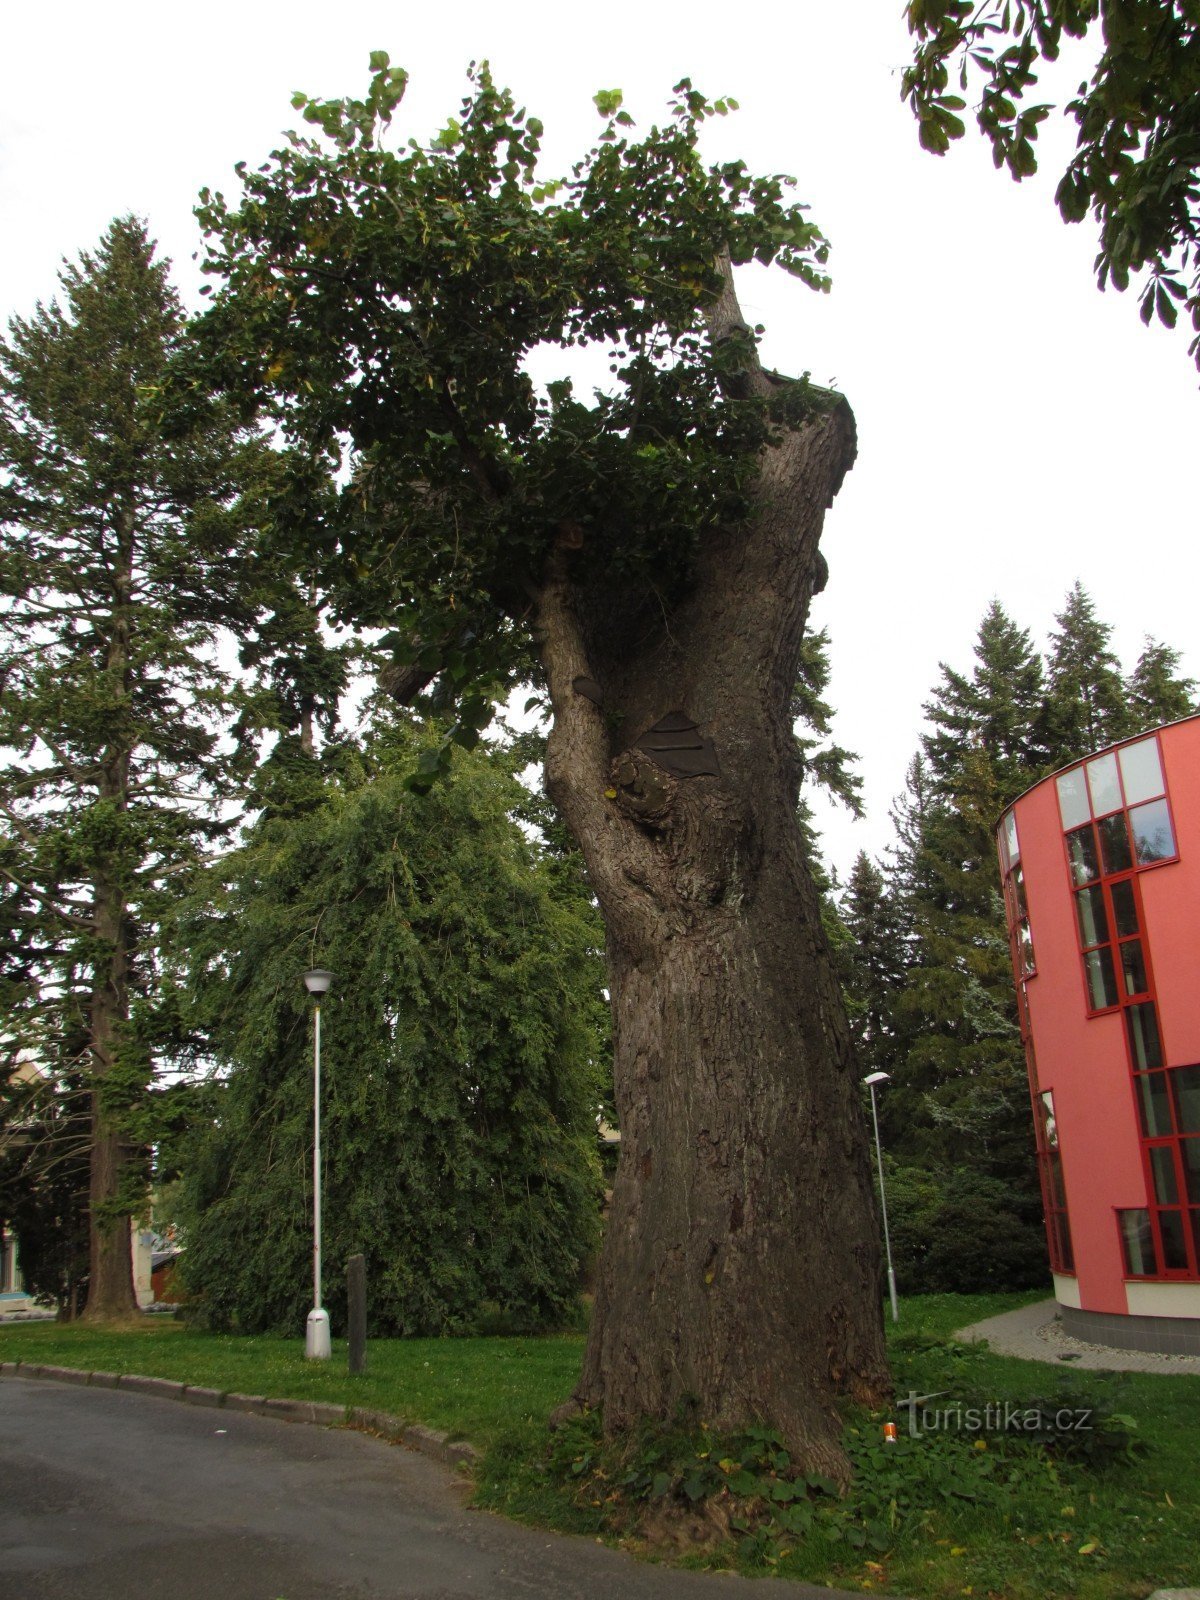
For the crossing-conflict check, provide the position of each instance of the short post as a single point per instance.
(356, 1300)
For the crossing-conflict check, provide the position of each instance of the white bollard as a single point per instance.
(316, 1337)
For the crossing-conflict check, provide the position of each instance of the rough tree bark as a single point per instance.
(740, 1270)
(111, 1296)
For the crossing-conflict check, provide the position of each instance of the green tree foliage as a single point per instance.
(956, 1115)
(876, 955)
(1155, 690)
(963, 1058)
(959, 1231)
(119, 517)
(353, 276)
(1137, 157)
(461, 1054)
(1088, 706)
(998, 709)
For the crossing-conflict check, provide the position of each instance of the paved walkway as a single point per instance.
(1035, 1333)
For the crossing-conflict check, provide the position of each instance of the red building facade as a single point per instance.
(1101, 869)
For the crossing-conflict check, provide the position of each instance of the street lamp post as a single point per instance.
(316, 1336)
(871, 1080)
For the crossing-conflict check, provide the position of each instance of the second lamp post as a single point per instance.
(316, 1338)
(871, 1080)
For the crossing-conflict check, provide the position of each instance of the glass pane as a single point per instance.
(1018, 883)
(1195, 1218)
(1152, 1102)
(1028, 964)
(1138, 1243)
(1170, 1226)
(1185, 1082)
(1089, 908)
(1141, 771)
(1144, 1042)
(1114, 843)
(1011, 842)
(1073, 798)
(1049, 1120)
(1189, 1149)
(1101, 979)
(1103, 782)
(1081, 853)
(1152, 836)
(1162, 1165)
(1124, 908)
(1058, 1193)
(1133, 967)
(1064, 1241)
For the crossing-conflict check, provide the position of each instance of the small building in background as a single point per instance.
(1101, 870)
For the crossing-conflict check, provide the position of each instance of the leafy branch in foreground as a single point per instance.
(1137, 162)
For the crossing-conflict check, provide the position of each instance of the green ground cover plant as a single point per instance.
(1108, 1514)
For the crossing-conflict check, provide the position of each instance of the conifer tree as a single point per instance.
(461, 1060)
(960, 1096)
(118, 522)
(1155, 690)
(877, 953)
(1087, 706)
(998, 709)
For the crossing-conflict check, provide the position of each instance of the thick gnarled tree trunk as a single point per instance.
(741, 1267)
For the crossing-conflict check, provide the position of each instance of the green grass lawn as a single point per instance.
(484, 1390)
(1058, 1528)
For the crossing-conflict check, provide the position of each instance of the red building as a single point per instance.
(1101, 867)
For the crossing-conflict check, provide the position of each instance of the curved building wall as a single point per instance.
(1101, 867)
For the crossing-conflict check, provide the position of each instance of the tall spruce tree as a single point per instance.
(1087, 705)
(960, 1097)
(118, 519)
(1156, 691)
(876, 958)
(462, 1057)
(997, 709)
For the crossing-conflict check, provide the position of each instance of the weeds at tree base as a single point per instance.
(682, 1489)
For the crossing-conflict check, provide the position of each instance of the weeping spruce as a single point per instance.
(461, 1055)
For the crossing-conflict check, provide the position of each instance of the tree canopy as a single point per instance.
(121, 528)
(353, 275)
(463, 1061)
(1136, 166)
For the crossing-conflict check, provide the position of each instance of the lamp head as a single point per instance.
(317, 981)
(873, 1078)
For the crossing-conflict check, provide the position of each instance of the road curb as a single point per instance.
(315, 1413)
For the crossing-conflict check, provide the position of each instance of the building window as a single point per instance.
(1054, 1194)
(1116, 822)
(1137, 1243)
(1168, 1102)
(1016, 908)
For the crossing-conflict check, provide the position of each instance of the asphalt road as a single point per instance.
(111, 1496)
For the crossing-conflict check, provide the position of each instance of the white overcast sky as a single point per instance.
(1017, 429)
